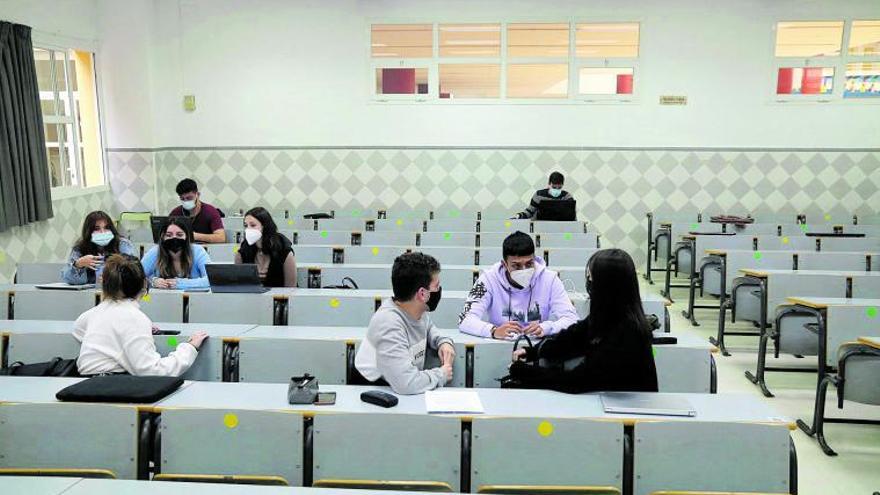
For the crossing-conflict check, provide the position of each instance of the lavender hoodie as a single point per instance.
(493, 298)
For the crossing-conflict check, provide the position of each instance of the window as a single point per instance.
(864, 39)
(809, 39)
(805, 81)
(68, 98)
(504, 62)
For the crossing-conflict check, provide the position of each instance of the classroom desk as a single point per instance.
(377, 276)
(32, 341)
(39, 432)
(36, 485)
(741, 424)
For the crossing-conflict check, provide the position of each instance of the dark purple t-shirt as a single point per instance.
(206, 222)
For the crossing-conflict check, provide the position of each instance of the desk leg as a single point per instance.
(692, 289)
(818, 428)
(758, 377)
(650, 246)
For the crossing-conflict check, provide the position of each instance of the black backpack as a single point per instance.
(54, 367)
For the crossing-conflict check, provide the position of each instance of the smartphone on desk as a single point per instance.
(325, 399)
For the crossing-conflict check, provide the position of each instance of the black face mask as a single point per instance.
(434, 300)
(174, 245)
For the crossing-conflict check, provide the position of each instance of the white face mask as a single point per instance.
(555, 192)
(102, 239)
(523, 277)
(252, 236)
(188, 205)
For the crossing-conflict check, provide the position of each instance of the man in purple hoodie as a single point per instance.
(518, 295)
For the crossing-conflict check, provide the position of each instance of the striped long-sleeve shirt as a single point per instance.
(542, 197)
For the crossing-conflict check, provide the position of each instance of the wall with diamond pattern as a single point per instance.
(614, 188)
(51, 240)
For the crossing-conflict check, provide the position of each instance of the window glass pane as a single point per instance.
(470, 40)
(82, 77)
(809, 39)
(865, 38)
(402, 40)
(805, 81)
(44, 69)
(402, 81)
(60, 79)
(862, 81)
(470, 80)
(56, 170)
(607, 40)
(605, 81)
(537, 40)
(537, 80)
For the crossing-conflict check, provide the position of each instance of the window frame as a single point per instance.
(838, 63)
(56, 44)
(433, 63)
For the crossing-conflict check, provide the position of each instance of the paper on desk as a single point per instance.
(453, 402)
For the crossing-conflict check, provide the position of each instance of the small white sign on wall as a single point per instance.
(673, 100)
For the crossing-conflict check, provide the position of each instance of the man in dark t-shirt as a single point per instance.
(206, 221)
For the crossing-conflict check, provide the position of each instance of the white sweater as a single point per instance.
(117, 336)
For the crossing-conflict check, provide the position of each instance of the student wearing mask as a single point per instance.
(176, 263)
(270, 250)
(206, 220)
(613, 342)
(98, 240)
(517, 295)
(401, 332)
(117, 337)
(554, 192)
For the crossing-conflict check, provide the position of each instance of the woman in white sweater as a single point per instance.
(117, 337)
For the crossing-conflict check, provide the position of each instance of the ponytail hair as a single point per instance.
(123, 278)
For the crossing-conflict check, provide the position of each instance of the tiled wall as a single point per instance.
(52, 239)
(614, 188)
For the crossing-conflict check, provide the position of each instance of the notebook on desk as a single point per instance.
(64, 286)
(646, 403)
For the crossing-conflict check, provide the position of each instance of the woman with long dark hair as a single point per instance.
(177, 263)
(98, 240)
(270, 250)
(614, 340)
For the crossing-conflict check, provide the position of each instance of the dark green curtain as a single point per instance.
(25, 191)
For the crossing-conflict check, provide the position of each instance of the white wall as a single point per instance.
(296, 73)
(68, 18)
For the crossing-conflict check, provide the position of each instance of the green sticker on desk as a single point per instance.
(695, 226)
(447, 235)
(567, 236)
(758, 255)
(803, 227)
(172, 341)
(356, 213)
(871, 312)
(323, 233)
(454, 213)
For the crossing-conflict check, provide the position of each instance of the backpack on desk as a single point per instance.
(347, 283)
(55, 367)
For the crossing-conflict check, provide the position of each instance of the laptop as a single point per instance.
(156, 223)
(646, 403)
(64, 286)
(558, 211)
(231, 278)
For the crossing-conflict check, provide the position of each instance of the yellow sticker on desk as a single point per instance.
(827, 217)
(375, 251)
(290, 222)
(172, 341)
(545, 428)
(234, 249)
(146, 298)
(2, 257)
(230, 420)
(399, 222)
(785, 240)
(507, 224)
(334, 303)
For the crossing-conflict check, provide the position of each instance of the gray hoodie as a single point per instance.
(395, 350)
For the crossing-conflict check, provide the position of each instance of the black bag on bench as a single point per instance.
(56, 367)
(121, 388)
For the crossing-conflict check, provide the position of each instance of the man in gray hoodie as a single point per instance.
(401, 331)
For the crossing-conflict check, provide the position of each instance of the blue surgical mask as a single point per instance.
(555, 192)
(102, 238)
(188, 205)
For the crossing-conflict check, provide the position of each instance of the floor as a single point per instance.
(856, 469)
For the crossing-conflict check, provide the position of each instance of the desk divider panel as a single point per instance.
(528, 451)
(387, 447)
(40, 347)
(713, 457)
(70, 436)
(233, 442)
(277, 360)
(52, 304)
